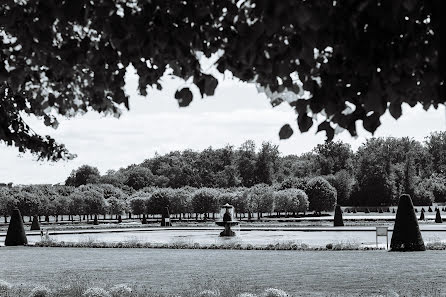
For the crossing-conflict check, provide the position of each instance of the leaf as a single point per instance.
(395, 110)
(304, 122)
(328, 130)
(285, 132)
(207, 84)
(371, 123)
(184, 97)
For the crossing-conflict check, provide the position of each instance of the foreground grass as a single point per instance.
(81, 286)
(171, 272)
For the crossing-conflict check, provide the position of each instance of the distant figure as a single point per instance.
(227, 216)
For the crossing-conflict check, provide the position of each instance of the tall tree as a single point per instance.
(266, 163)
(85, 174)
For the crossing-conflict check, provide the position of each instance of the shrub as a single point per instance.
(271, 292)
(321, 195)
(40, 291)
(430, 209)
(16, 232)
(5, 288)
(208, 293)
(96, 292)
(406, 232)
(121, 290)
(338, 221)
(246, 295)
(438, 218)
(35, 224)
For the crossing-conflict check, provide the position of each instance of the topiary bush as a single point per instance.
(438, 218)
(430, 209)
(16, 232)
(422, 216)
(406, 234)
(321, 195)
(121, 290)
(338, 221)
(40, 291)
(271, 292)
(96, 292)
(35, 225)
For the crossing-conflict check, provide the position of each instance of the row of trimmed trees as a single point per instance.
(375, 175)
(316, 195)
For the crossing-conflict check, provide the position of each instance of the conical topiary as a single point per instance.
(430, 209)
(95, 221)
(35, 224)
(165, 219)
(438, 218)
(338, 221)
(380, 210)
(16, 232)
(348, 210)
(393, 210)
(422, 216)
(422, 209)
(406, 234)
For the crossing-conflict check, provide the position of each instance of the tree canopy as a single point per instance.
(348, 61)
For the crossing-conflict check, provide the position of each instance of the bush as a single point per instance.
(438, 218)
(96, 292)
(35, 224)
(321, 195)
(246, 295)
(422, 216)
(40, 291)
(16, 232)
(406, 234)
(271, 292)
(121, 290)
(338, 221)
(208, 293)
(5, 288)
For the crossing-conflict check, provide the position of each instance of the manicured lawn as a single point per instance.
(300, 273)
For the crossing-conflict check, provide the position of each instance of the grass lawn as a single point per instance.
(336, 273)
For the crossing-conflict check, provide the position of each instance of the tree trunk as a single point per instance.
(6, 219)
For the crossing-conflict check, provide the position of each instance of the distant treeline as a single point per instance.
(375, 175)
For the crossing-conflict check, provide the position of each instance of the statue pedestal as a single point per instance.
(227, 231)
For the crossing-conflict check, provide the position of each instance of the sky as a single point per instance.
(237, 112)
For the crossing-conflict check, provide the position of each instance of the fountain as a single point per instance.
(228, 222)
